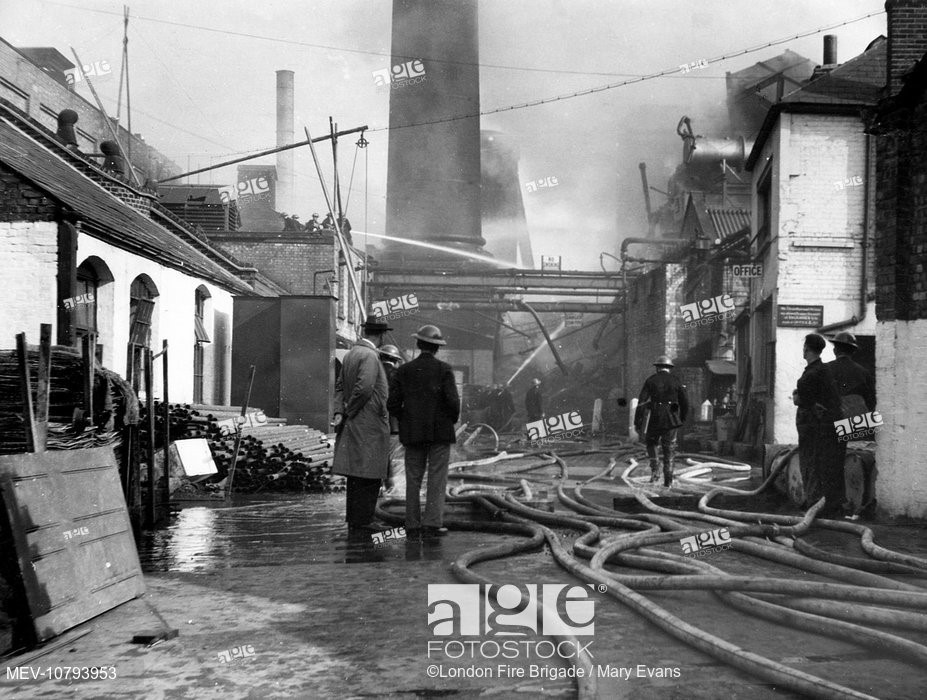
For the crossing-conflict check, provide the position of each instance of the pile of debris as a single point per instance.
(272, 456)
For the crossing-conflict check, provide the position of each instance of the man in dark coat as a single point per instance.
(819, 451)
(664, 398)
(362, 424)
(855, 383)
(534, 401)
(423, 396)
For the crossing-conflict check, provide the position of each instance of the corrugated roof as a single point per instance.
(110, 218)
(793, 67)
(858, 81)
(728, 220)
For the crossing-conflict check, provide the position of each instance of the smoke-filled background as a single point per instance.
(203, 87)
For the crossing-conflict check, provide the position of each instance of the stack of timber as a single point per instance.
(272, 456)
(112, 399)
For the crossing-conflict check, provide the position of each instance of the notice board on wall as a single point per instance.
(74, 544)
(796, 316)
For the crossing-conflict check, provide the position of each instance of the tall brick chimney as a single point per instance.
(907, 38)
(433, 178)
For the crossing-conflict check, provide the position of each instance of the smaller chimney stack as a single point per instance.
(830, 49)
(907, 38)
(285, 90)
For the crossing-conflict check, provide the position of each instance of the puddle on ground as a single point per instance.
(267, 531)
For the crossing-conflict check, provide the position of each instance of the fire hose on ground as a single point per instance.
(863, 593)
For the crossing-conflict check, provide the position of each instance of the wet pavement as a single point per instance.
(307, 612)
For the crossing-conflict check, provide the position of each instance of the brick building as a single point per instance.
(812, 169)
(302, 264)
(897, 126)
(69, 229)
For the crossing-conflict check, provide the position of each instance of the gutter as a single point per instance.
(864, 276)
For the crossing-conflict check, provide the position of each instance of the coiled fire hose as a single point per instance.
(766, 596)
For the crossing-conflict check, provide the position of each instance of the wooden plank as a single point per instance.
(43, 388)
(88, 345)
(25, 383)
(166, 491)
(74, 543)
(151, 510)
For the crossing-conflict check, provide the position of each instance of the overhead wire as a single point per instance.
(533, 103)
(369, 52)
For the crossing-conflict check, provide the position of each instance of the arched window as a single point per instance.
(84, 313)
(92, 307)
(200, 337)
(142, 295)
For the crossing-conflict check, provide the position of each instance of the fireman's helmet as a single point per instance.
(430, 334)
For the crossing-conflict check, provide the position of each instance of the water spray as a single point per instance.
(445, 249)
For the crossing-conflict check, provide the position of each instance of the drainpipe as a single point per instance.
(550, 343)
(864, 277)
(627, 297)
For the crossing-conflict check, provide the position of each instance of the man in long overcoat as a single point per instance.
(423, 396)
(362, 423)
(665, 398)
(819, 452)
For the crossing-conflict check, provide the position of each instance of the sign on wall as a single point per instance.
(794, 316)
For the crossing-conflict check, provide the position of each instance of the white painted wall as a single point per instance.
(29, 254)
(901, 382)
(816, 256)
(173, 317)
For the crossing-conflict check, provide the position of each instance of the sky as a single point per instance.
(203, 87)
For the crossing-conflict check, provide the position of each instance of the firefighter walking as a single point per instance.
(662, 407)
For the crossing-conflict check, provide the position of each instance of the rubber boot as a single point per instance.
(654, 470)
(669, 460)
